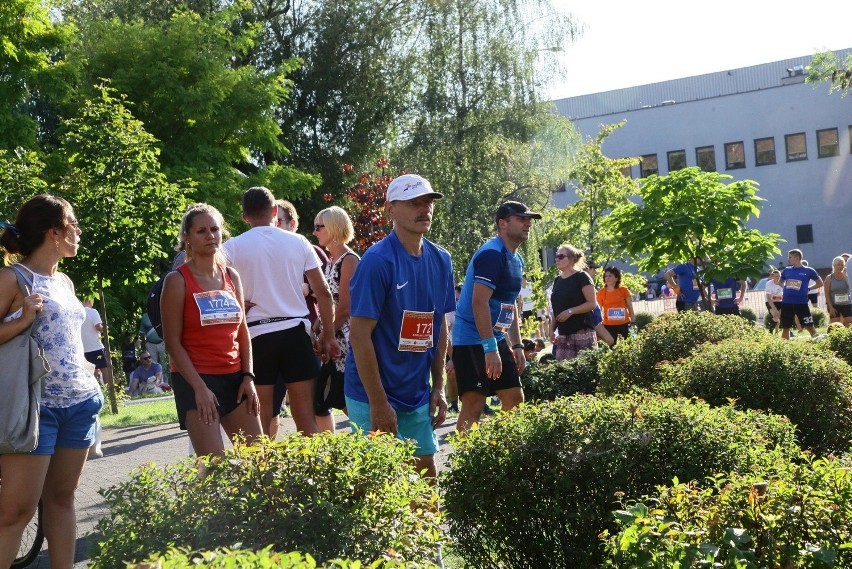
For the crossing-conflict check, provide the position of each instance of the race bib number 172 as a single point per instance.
(415, 335)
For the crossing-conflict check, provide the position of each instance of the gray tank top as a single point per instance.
(839, 290)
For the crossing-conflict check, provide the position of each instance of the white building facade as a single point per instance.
(762, 123)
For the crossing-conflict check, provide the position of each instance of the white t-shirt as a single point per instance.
(272, 265)
(527, 299)
(91, 336)
(774, 292)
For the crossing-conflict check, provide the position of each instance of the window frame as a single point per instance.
(736, 165)
(712, 149)
(836, 151)
(656, 171)
(757, 161)
(787, 146)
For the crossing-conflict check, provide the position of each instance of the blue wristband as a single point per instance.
(489, 344)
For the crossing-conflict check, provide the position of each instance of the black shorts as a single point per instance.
(224, 386)
(844, 310)
(616, 330)
(813, 297)
(284, 355)
(469, 362)
(328, 390)
(97, 358)
(733, 310)
(803, 311)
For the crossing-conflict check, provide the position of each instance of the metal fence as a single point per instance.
(755, 300)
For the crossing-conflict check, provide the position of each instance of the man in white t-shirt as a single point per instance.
(272, 265)
(93, 349)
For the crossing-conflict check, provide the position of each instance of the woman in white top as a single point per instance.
(46, 231)
(774, 295)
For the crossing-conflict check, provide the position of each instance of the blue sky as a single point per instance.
(627, 43)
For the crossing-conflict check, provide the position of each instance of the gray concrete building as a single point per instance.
(762, 123)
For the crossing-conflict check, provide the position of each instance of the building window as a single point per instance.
(677, 160)
(705, 158)
(734, 155)
(627, 171)
(804, 233)
(828, 143)
(764, 151)
(648, 165)
(797, 147)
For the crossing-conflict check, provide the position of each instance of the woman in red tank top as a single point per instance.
(207, 338)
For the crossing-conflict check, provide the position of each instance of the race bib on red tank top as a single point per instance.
(217, 307)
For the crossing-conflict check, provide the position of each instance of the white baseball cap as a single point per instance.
(410, 186)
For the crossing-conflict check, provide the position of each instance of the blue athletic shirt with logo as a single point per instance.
(726, 291)
(387, 282)
(686, 275)
(500, 270)
(796, 281)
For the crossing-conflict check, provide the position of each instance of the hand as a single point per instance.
(33, 304)
(493, 365)
(553, 337)
(247, 391)
(206, 406)
(437, 408)
(383, 417)
(563, 316)
(520, 360)
(331, 350)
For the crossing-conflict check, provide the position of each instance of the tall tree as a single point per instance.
(691, 213)
(827, 67)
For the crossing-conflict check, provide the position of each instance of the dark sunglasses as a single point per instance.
(560, 256)
(318, 227)
(146, 359)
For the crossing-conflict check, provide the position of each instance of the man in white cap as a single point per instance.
(400, 293)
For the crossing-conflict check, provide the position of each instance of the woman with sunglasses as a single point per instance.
(45, 232)
(572, 299)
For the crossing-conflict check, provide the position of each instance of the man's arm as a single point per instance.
(743, 288)
(437, 400)
(485, 328)
(670, 279)
(515, 339)
(382, 415)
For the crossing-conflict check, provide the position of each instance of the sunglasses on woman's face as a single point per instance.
(560, 256)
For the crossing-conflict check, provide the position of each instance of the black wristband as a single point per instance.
(249, 374)
(516, 346)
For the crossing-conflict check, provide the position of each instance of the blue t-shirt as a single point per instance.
(687, 282)
(396, 288)
(796, 281)
(500, 270)
(726, 291)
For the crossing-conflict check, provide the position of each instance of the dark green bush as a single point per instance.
(748, 314)
(810, 386)
(333, 496)
(248, 559)
(819, 316)
(643, 319)
(633, 363)
(840, 342)
(535, 487)
(799, 515)
(768, 322)
(560, 379)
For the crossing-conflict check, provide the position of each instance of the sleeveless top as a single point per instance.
(211, 321)
(332, 276)
(839, 290)
(59, 330)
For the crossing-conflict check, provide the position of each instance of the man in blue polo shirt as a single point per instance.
(687, 287)
(728, 295)
(400, 293)
(796, 279)
(487, 314)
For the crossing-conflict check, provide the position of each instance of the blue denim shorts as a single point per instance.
(69, 427)
(415, 425)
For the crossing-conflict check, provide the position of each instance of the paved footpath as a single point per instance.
(126, 448)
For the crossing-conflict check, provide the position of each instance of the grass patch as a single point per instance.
(149, 413)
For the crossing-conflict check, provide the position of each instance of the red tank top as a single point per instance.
(211, 320)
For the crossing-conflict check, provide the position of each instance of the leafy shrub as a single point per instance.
(670, 337)
(819, 316)
(560, 379)
(749, 314)
(768, 322)
(812, 387)
(840, 342)
(643, 319)
(797, 516)
(333, 496)
(247, 559)
(535, 487)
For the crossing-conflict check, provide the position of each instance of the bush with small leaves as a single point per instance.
(840, 342)
(794, 515)
(748, 314)
(643, 319)
(331, 495)
(535, 487)
(546, 382)
(819, 316)
(633, 363)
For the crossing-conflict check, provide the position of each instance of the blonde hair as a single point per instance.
(838, 259)
(192, 212)
(338, 224)
(576, 254)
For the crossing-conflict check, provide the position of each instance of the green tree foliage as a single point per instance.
(20, 179)
(690, 213)
(827, 67)
(128, 211)
(600, 185)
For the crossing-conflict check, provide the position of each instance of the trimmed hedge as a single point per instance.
(331, 495)
(535, 487)
(643, 319)
(840, 342)
(247, 559)
(633, 362)
(809, 385)
(546, 382)
(798, 515)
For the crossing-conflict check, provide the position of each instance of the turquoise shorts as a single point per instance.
(415, 425)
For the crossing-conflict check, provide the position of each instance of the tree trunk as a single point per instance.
(113, 403)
